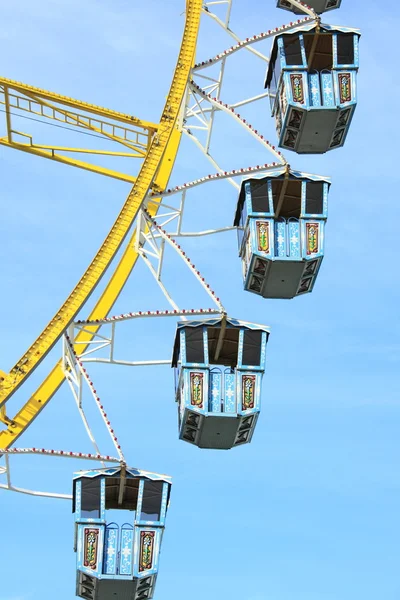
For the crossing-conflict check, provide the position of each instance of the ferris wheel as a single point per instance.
(309, 80)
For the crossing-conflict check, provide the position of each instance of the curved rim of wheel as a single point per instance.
(154, 170)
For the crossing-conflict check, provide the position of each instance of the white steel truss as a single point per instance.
(74, 362)
(198, 120)
(6, 470)
(203, 101)
(156, 237)
(111, 322)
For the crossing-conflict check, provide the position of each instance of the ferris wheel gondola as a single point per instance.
(312, 81)
(219, 366)
(319, 6)
(114, 557)
(281, 219)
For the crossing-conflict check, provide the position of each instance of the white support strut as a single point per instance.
(42, 452)
(197, 117)
(254, 39)
(168, 238)
(98, 403)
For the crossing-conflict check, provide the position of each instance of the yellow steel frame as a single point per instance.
(20, 100)
(155, 172)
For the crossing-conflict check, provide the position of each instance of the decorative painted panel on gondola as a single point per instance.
(282, 216)
(118, 559)
(312, 83)
(90, 548)
(218, 383)
(319, 6)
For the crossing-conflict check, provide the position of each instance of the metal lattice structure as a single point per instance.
(192, 104)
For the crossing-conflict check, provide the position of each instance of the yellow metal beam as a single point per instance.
(73, 162)
(133, 138)
(75, 119)
(86, 151)
(156, 169)
(78, 104)
(8, 115)
(33, 105)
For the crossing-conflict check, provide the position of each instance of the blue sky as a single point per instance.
(309, 510)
